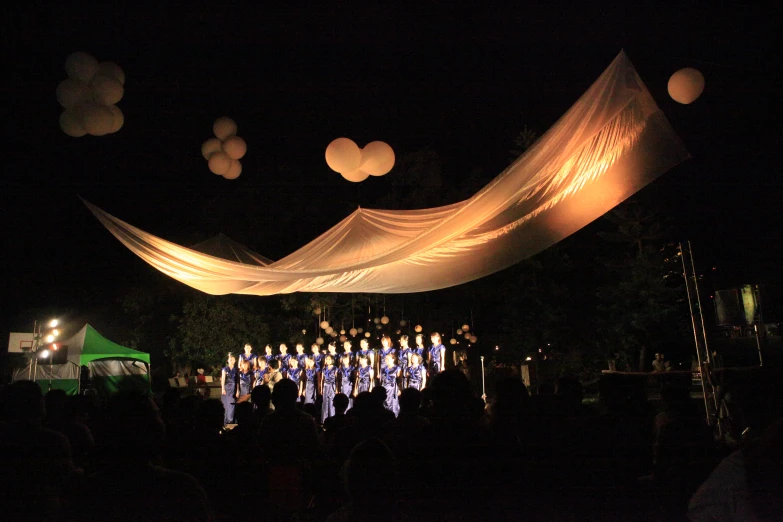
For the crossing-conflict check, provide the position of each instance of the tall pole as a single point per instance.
(483, 384)
(758, 344)
(702, 367)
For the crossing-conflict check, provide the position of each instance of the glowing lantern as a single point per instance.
(329, 330)
(459, 331)
(112, 70)
(385, 320)
(343, 155)
(360, 330)
(465, 327)
(81, 66)
(353, 332)
(686, 85)
(72, 92)
(377, 158)
(209, 147)
(235, 147)
(376, 320)
(378, 326)
(319, 341)
(418, 328)
(224, 127)
(324, 324)
(367, 334)
(356, 176)
(119, 118)
(219, 163)
(453, 341)
(71, 124)
(467, 336)
(98, 120)
(317, 311)
(403, 322)
(106, 90)
(473, 339)
(234, 170)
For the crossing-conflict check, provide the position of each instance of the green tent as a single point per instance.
(111, 365)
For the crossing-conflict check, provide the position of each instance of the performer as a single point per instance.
(246, 379)
(261, 372)
(348, 352)
(416, 376)
(284, 357)
(268, 354)
(295, 374)
(328, 387)
(275, 375)
(310, 381)
(420, 349)
(386, 350)
(365, 350)
(316, 356)
(345, 382)
(365, 376)
(437, 355)
(404, 359)
(332, 350)
(228, 388)
(300, 355)
(389, 380)
(248, 356)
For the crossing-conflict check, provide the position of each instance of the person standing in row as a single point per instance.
(316, 356)
(268, 354)
(261, 372)
(386, 350)
(310, 381)
(274, 376)
(420, 349)
(284, 357)
(228, 388)
(348, 352)
(345, 380)
(437, 355)
(295, 374)
(248, 356)
(365, 376)
(390, 382)
(328, 387)
(404, 355)
(416, 375)
(300, 355)
(245, 380)
(331, 349)
(365, 350)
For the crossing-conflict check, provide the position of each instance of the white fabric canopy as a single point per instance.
(611, 143)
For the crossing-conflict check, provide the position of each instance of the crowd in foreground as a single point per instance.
(445, 456)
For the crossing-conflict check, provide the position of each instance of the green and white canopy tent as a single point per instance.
(109, 364)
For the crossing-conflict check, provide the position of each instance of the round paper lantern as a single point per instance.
(343, 155)
(98, 120)
(459, 331)
(378, 326)
(360, 330)
(686, 85)
(465, 327)
(367, 334)
(342, 332)
(467, 336)
(71, 93)
(473, 339)
(71, 123)
(333, 334)
(324, 324)
(224, 128)
(219, 163)
(355, 176)
(209, 147)
(81, 66)
(377, 158)
(329, 330)
(319, 341)
(418, 328)
(304, 332)
(453, 341)
(353, 332)
(235, 147)
(106, 90)
(112, 70)
(403, 322)
(385, 320)
(376, 321)
(234, 170)
(398, 332)
(119, 118)
(343, 338)
(317, 311)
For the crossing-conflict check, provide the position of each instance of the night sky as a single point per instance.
(463, 82)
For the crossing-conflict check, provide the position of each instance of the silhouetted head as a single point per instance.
(22, 400)
(261, 396)
(133, 429)
(340, 402)
(368, 473)
(379, 393)
(450, 393)
(285, 394)
(410, 400)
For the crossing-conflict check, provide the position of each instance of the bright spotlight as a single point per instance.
(55, 332)
(53, 323)
(528, 358)
(49, 338)
(45, 354)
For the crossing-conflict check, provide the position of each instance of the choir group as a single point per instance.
(324, 375)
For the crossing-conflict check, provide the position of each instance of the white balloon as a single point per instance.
(71, 93)
(209, 147)
(81, 66)
(71, 123)
(106, 90)
(224, 127)
(686, 85)
(98, 120)
(234, 170)
(219, 163)
(343, 155)
(119, 118)
(111, 70)
(235, 147)
(377, 158)
(355, 176)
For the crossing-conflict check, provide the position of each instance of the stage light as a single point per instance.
(55, 332)
(49, 338)
(528, 358)
(54, 346)
(45, 354)
(53, 323)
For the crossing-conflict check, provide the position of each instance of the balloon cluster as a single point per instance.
(89, 96)
(224, 151)
(686, 85)
(354, 164)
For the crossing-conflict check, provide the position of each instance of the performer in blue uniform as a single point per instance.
(318, 358)
(420, 349)
(365, 376)
(389, 381)
(268, 354)
(345, 379)
(365, 350)
(331, 349)
(300, 355)
(246, 379)
(310, 381)
(349, 352)
(328, 387)
(248, 356)
(228, 388)
(260, 373)
(437, 355)
(386, 350)
(284, 357)
(404, 355)
(294, 371)
(416, 375)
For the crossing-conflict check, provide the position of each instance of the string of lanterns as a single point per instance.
(89, 96)
(355, 164)
(224, 151)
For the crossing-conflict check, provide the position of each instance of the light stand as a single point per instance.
(483, 384)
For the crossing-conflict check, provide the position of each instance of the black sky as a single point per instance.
(462, 81)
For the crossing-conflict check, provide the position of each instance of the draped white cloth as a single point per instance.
(612, 142)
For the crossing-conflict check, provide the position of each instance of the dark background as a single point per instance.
(462, 81)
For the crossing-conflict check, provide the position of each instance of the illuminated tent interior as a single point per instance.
(612, 142)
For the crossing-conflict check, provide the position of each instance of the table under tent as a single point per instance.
(111, 366)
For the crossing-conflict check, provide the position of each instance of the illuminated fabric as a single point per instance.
(610, 144)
